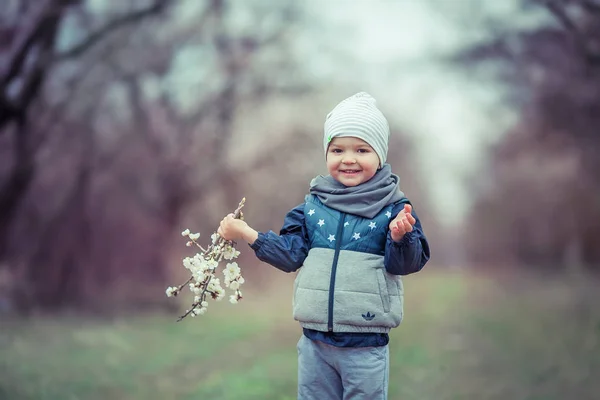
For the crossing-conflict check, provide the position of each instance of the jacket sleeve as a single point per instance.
(287, 250)
(411, 253)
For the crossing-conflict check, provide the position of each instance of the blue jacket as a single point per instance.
(317, 237)
(288, 250)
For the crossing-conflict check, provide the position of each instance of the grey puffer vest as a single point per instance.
(343, 285)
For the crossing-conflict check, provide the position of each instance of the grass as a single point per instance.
(465, 336)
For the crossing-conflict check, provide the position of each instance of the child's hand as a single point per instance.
(402, 224)
(232, 228)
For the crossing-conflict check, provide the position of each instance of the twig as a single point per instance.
(111, 26)
(210, 253)
(584, 44)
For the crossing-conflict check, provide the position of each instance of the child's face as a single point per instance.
(351, 161)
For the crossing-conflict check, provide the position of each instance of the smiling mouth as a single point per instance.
(349, 171)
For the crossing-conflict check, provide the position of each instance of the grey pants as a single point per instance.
(327, 372)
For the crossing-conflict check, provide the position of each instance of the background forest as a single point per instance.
(123, 123)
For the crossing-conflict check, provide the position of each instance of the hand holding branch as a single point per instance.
(233, 229)
(203, 282)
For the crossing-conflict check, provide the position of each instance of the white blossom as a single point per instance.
(232, 269)
(203, 282)
(198, 259)
(199, 276)
(212, 264)
(214, 283)
(219, 293)
(230, 253)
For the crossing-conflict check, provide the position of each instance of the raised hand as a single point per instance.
(402, 224)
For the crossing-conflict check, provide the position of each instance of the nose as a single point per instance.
(349, 160)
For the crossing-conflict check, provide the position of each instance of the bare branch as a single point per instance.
(590, 6)
(34, 29)
(561, 15)
(586, 46)
(113, 25)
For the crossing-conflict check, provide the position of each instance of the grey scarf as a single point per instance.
(365, 200)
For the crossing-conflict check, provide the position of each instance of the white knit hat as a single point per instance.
(358, 116)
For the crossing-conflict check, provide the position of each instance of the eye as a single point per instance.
(364, 150)
(337, 151)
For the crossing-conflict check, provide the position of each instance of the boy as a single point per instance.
(351, 240)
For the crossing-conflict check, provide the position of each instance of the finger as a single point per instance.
(397, 233)
(400, 216)
(407, 226)
(411, 219)
(400, 227)
(407, 208)
(223, 228)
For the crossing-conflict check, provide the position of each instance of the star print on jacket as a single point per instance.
(355, 233)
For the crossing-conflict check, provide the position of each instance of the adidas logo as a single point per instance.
(368, 316)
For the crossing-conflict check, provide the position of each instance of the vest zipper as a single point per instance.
(338, 244)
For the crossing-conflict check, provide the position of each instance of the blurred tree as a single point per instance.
(30, 55)
(542, 205)
(30, 52)
(126, 124)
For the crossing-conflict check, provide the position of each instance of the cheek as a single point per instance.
(331, 162)
(370, 173)
(371, 167)
(330, 167)
(374, 164)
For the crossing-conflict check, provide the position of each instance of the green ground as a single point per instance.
(463, 337)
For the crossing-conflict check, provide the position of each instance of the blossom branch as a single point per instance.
(203, 266)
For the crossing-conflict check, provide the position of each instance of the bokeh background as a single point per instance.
(124, 122)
